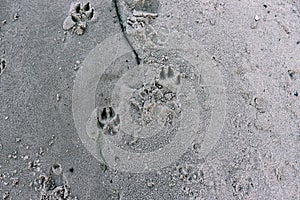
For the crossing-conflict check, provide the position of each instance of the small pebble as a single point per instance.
(16, 17)
(5, 195)
(76, 68)
(25, 157)
(292, 74)
(256, 18)
(296, 93)
(57, 97)
(150, 183)
(41, 152)
(212, 21)
(165, 58)
(198, 21)
(253, 25)
(15, 181)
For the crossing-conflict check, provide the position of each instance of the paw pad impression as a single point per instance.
(109, 121)
(79, 16)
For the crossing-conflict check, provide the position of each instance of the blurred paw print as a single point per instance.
(157, 36)
(79, 16)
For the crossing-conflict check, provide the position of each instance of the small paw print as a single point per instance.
(79, 16)
(109, 121)
(106, 122)
(169, 78)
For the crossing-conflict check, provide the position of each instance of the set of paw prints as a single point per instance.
(149, 100)
(79, 16)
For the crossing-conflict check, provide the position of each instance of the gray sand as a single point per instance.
(150, 100)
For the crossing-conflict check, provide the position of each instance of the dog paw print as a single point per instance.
(109, 121)
(169, 78)
(79, 16)
(106, 122)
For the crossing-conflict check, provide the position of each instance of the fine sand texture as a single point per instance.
(149, 99)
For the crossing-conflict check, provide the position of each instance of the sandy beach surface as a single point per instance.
(149, 99)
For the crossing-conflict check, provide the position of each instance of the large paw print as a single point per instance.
(169, 78)
(109, 121)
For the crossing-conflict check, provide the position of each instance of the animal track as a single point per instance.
(157, 99)
(55, 185)
(109, 121)
(157, 36)
(79, 16)
(169, 78)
